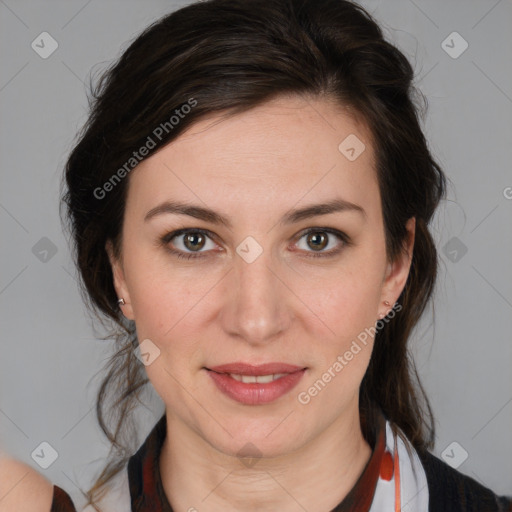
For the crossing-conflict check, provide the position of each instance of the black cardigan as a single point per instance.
(452, 491)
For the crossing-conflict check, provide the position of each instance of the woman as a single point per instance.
(249, 203)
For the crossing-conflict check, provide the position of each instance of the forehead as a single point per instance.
(277, 153)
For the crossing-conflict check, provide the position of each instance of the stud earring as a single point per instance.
(382, 315)
(121, 302)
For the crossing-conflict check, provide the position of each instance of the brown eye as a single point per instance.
(194, 241)
(189, 243)
(317, 240)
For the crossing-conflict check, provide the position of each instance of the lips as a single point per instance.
(240, 368)
(255, 385)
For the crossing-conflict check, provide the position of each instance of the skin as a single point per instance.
(22, 488)
(285, 306)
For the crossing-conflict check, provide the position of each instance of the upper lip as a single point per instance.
(239, 368)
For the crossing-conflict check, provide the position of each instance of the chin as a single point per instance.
(257, 438)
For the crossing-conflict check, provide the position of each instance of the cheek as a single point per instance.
(350, 318)
(167, 302)
(348, 305)
(349, 300)
(343, 349)
(153, 295)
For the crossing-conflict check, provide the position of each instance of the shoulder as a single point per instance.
(22, 488)
(449, 487)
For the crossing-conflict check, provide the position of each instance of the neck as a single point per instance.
(318, 476)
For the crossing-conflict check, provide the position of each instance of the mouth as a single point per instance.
(260, 379)
(255, 385)
(246, 369)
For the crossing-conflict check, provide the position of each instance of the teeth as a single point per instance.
(260, 379)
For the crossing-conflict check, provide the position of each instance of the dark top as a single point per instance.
(449, 490)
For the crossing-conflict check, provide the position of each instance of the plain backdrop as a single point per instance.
(50, 356)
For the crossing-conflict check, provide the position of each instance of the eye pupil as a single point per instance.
(318, 237)
(190, 238)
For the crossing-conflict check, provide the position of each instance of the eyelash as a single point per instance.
(165, 240)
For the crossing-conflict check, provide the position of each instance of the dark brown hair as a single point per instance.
(228, 56)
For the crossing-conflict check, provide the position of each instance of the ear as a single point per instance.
(397, 271)
(119, 281)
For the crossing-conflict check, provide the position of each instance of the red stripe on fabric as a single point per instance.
(360, 498)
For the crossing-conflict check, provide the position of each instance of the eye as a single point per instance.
(188, 242)
(320, 238)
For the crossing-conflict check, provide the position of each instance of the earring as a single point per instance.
(382, 315)
(121, 302)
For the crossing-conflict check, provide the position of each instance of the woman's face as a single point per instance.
(274, 281)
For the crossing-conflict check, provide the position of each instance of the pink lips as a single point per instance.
(255, 393)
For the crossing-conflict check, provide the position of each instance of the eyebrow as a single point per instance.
(291, 217)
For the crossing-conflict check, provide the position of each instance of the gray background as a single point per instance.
(50, 355)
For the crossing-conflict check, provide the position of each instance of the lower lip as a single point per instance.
(254, 393)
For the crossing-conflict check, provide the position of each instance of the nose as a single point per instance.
(257, 302)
